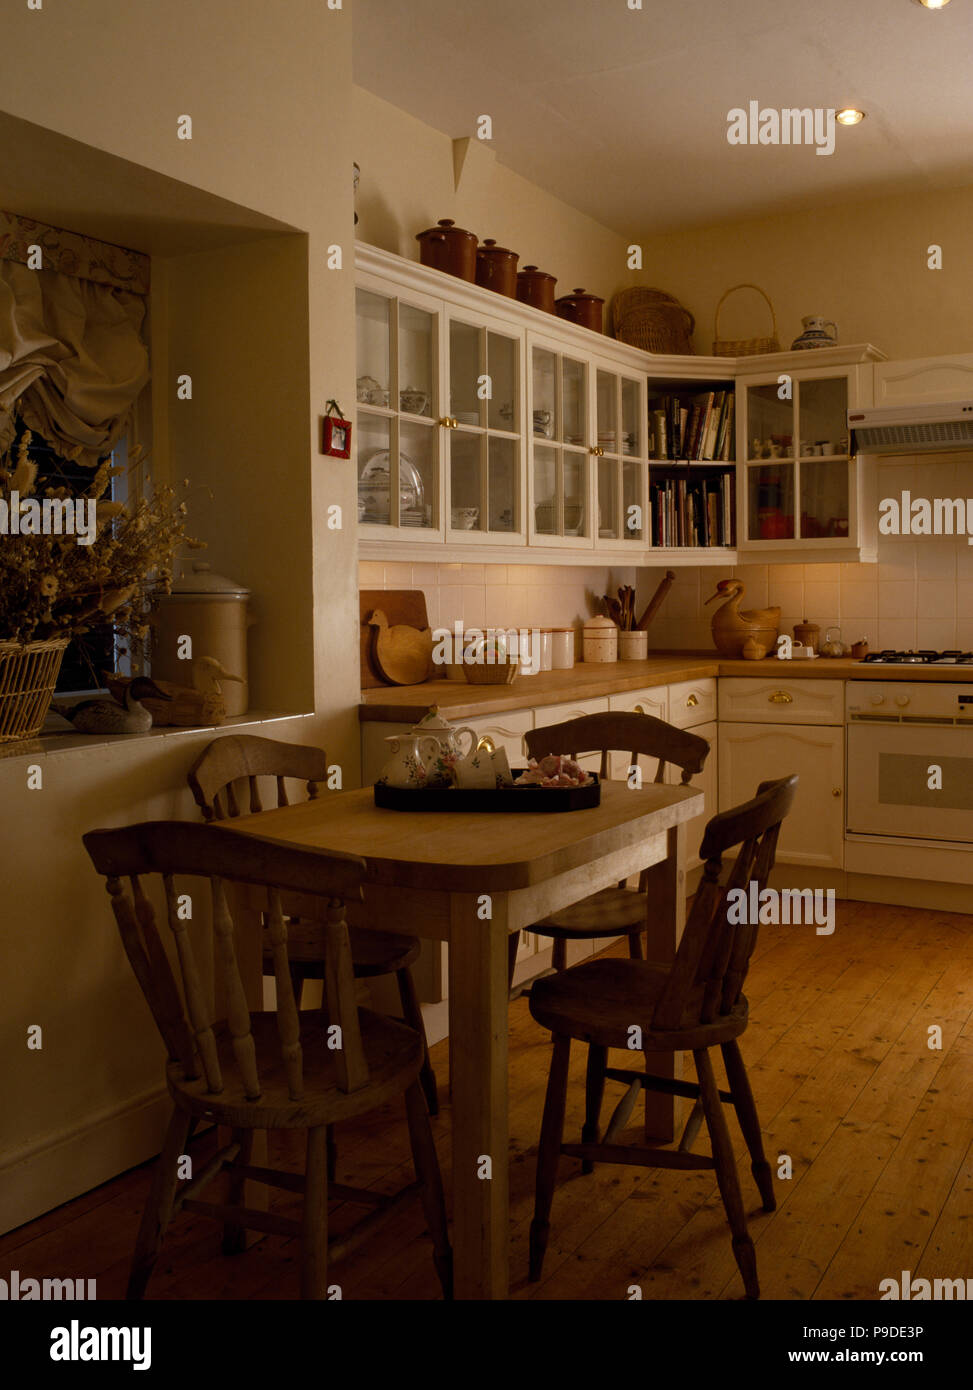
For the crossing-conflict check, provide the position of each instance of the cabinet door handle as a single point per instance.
(485, 741)
(445, 422)
(835, 791)
(640, 709)
(692, 701)
(781, 697)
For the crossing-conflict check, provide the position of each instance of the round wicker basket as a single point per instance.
(652, 320)
(28, 676)
(744, 347)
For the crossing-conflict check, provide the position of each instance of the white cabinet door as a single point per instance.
(558, 714)
(813, 833)
(707, 782)
(781, 699)
(692, 703)
(926, 379)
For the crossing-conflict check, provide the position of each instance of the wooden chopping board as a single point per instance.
(402, 607)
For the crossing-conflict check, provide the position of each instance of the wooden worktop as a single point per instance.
(400, 704)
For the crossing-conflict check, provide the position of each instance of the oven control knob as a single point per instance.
(901, 701)
(877, 699)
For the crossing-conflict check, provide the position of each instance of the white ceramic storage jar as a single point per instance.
(213, 611)
(600, 640)
(562, 648)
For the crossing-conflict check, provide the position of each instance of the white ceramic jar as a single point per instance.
(562, 649)
(633, 646)
(600, 640)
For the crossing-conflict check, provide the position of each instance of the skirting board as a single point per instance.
(61, 1166)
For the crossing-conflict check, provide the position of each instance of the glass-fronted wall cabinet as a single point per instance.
(622, 458)
(560, 448)
(798, 486)
(398, 444)
(485, 432)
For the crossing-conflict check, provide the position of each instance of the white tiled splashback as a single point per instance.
(920, 594)
(501, 595)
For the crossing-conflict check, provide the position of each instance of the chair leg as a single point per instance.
(635, 946)
(548, 1153)
(513, 946)
(234, 1236)
(746, 1110)
(692, 1127)
(314, 1218)
(430, 1178)
(559, 955)
(332, 1149)
(594, 1093)
(726, 1172)
(412, 1014)
(158, 1207)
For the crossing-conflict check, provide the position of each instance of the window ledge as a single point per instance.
(53, 741)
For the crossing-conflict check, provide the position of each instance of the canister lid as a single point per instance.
(601, 624)
(195, 577)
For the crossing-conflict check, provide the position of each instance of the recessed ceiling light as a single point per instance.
(933, 4)
(849, 116)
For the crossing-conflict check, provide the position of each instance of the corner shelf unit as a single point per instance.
(489, 429)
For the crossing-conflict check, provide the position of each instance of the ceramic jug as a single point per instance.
(818, 332)
(413, 763)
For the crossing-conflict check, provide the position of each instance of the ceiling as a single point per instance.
(623, 113)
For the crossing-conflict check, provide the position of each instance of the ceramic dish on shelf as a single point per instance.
(373, 482)
(465, 518)
(371, 392)
(413, 401)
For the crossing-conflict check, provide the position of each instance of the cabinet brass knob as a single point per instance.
(692, 701)
(485, 741)
(446, 422)
(639, 709)
(835, 791)
(781, 697)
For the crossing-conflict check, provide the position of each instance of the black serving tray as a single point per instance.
(503, 799)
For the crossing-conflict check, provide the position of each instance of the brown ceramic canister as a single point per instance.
(582, 308)
(536, 287)
(449, 248)
(496, 268)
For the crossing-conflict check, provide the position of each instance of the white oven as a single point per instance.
(910, 760)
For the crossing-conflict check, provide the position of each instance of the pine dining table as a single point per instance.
(471, 880)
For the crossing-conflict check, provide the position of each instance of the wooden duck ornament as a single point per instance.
(732, 629)
(402, 654)
(184, 705)
(113, 716)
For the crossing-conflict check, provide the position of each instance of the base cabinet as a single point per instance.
(813, 833)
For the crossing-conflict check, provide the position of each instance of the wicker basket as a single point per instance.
(28, 676)
(743, 347)
(653, 321)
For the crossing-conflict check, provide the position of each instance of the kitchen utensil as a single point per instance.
(663, 587)
(732, 627)
(214, 612)
(449, 248)
(744, 347)
(400, 606)
(600, 640)
(832, 646)
(807, 634)
(582, 308)
(816, 334)
(536, 287)
(496, 268)
(402, 654)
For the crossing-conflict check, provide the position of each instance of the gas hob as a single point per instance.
(920, 658)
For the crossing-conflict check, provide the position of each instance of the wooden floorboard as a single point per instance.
(877, 1125)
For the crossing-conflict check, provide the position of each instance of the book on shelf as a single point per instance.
(693, 428)
(695, 512)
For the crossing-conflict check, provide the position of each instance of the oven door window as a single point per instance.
(913, 782)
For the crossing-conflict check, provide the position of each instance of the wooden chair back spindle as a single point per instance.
(244, 756)
(713, 956)
(616, 731)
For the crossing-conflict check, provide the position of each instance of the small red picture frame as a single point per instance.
(337, 437)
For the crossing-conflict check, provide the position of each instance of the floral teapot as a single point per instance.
(427, 755)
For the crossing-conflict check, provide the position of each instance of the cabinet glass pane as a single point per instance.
(631, 418)
(465, 369)
(574, 401)
(770, 423)
(415, 360)
(544, 391)
(631, 501)
(502, 370)
(466, 480)
(607, 390)
(771, 502)
(607, 498)
(372, 346)
(824, 498)
(575, 493)
(502, 479)
(823, 416)
(374, 485)
(417, 474)
(545, 490)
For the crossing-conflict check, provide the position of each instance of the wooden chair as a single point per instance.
(261, 1070)
(617, 911)
(211, 778)
(694, 1005)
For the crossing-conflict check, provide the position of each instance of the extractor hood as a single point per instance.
(912, 429)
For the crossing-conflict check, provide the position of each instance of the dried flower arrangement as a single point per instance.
(53, 587)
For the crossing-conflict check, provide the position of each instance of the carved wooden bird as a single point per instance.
(731, 626)
(109, 716)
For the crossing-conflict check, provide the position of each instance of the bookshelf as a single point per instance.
(692, 465)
